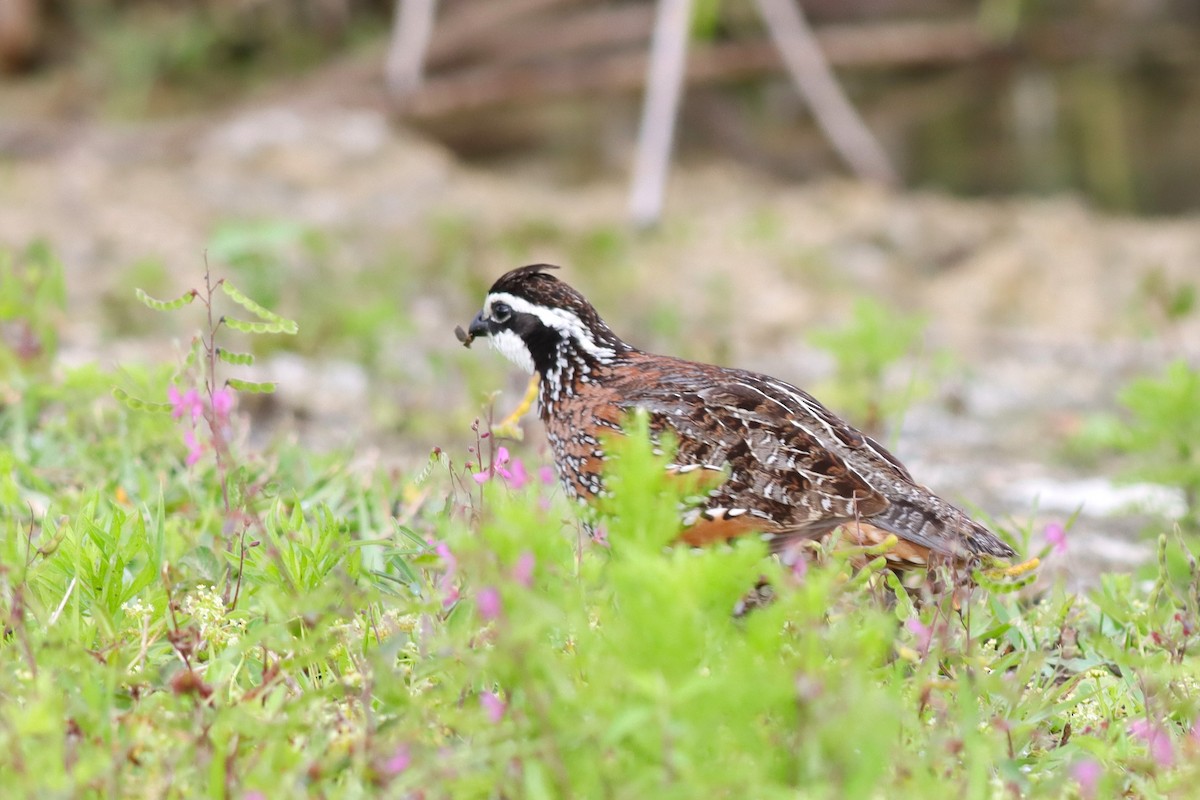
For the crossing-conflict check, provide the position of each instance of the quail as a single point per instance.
(784, 466)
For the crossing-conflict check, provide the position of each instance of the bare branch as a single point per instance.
(573, 33)
(469, 28)
(404, 69)
(878, 45)
(805, 62)
(664, 86)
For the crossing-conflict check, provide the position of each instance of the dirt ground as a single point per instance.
(1040, 301)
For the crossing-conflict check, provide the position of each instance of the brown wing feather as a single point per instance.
(781, 472)
(794, 463)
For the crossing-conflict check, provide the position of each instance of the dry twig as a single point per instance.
(843, 127)
(404, 68)
(664, 86)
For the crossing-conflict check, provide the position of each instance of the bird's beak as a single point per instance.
(479, 326)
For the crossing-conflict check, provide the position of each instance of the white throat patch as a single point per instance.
(511, 347)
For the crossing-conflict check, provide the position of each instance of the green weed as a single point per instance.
(1159, 431)
(872, 342)
(32, 298)
(454, 632)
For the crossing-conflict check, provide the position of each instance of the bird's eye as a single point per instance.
(501, 313)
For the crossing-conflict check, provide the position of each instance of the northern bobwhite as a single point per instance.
(795, 470)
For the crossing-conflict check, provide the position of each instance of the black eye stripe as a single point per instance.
(501, 312)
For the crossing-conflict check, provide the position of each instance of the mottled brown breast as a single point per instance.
(577, 419)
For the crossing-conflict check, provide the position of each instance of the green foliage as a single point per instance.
(623, 673)
(166, 305)
(274, 623)
(137, 403)
(270, 322)
(872, 342)
(323, 651)
(236, 359)
(354, 320)
(1175, 301)
(284, 326)
(474, 645)
(705, 20)
(60, 438)
(1161, 303)
(253, 249)
(146, 57)
(32, 298)
(254, 387)
(1159, 430)
(123, 314)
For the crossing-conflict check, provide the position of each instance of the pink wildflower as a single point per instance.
(493, 705)
(499, 462)
(448, 558)
(799, 567)
(1158, 741)
(222, 402)
(488, 601)
(497, 468)
(186, 403)
(193, 445)
(1056, 536)
(1087, 774)
(517, 476)
(398, 761)
(546, 476)
(793, 558)
(446, 582)
(923, 632)
(522, 571)
(511, 470)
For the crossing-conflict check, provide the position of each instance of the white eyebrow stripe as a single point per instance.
(556, 318)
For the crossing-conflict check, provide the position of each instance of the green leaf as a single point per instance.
(285, 326)
(1182, 302)
(705, 21)
(166, 305)
(236, 241)
(254, 308)
(241, 359)
(137, 403)
(436, 458)
(193, 356)
(253, 387)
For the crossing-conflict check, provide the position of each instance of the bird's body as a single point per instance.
(782, 464)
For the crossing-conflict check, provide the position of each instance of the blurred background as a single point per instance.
(1029, 247)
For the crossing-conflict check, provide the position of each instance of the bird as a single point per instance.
(783, 466)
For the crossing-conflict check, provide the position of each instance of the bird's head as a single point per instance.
(540, 323)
